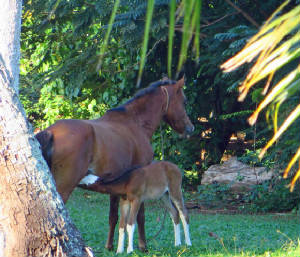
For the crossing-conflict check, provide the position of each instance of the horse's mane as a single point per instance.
(151, 88)
(145, 91)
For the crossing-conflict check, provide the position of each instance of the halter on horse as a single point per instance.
(115, 142)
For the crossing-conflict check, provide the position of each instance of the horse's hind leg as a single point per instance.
(113, 219)
(141, 228)
(68, 173)
(174, 216)
(177, 199)
(134, 208)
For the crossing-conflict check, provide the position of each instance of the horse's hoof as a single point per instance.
(143, 249)
(109, 247)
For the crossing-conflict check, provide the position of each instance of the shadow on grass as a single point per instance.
(213, 235)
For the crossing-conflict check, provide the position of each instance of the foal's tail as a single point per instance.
(45, 139)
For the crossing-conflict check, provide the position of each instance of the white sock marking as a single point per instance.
(186, 229)
(120, 248)
(177, 234)
(130, 231)
(88, 180)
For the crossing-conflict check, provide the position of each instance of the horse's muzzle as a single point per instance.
(188, 131)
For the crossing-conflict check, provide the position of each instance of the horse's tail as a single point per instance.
(45, 139)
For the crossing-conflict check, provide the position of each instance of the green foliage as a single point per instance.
(61, 52)
(53, 106)
(251, 158)
(215, 195)
(269, 196)
(273, 196)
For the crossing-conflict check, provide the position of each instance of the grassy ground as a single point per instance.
(213, 235)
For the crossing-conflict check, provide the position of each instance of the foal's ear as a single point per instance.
(180, 83)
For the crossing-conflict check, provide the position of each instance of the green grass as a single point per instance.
(212, 235)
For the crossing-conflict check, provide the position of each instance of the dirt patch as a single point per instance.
(193, 206)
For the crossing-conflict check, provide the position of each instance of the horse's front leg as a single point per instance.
(141, 228)
(113, 219)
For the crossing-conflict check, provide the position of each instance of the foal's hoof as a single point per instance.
(129, 250)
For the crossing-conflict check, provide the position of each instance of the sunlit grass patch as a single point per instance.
(213, 235)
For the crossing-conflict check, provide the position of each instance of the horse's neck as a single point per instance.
(146, 121)
(146, 114)
(149, 118)
(149, 124)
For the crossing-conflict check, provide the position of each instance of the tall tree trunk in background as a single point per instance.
(33, 220)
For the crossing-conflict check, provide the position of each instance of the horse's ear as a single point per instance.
(180, 82)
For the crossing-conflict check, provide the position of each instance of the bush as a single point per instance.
(269, 196)
(273, 196)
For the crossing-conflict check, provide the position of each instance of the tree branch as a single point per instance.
(247, 16)
(217, 20)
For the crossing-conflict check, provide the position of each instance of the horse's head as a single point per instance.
(175, 113)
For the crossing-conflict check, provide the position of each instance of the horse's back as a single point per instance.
(157, 168)
(153, 180)
(70, 137)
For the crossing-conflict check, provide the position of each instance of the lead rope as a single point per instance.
(162, 158)
(161, 131)
(162, 143)
(165, 212)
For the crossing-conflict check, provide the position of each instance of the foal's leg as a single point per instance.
(124, 210)
(174, 216)
(113, 219)
(134, 208)
(176, 197)
(141, 228)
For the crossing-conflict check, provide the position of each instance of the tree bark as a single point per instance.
(33, 220)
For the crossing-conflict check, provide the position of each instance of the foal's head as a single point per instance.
(175, 113)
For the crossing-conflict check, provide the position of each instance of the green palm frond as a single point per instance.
(171, 34)
(189, 10)
(275, 45)
(110, 25)
(191, 27)
(150, 8)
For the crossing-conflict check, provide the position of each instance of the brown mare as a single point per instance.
(114, 143)
(156, 180)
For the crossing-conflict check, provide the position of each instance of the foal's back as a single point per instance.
(153, 180)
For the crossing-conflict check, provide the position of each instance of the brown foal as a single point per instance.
(158, 180)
